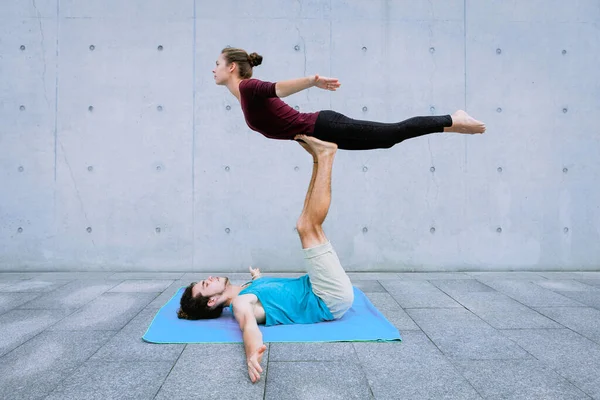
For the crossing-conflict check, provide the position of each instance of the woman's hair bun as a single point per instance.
(254, 59)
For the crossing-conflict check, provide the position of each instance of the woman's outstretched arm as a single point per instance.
(289, 87)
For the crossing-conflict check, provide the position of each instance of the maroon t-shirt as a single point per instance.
(268, 114)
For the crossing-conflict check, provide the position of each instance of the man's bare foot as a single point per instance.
(318, 147)
(464, 123)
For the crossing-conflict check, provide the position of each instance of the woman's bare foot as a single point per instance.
(464, 123)
(317, 147)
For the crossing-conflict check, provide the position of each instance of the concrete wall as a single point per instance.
(118, 154)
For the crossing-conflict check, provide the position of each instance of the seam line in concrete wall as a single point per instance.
(194, 137)
(56, 90)
(330, 47)
(465, 67)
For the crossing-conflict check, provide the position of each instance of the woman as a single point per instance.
(266, 113)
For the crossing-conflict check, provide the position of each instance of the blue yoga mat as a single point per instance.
(363, 322)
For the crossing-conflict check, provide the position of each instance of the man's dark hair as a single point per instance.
(197, 307)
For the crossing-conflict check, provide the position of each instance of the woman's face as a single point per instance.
(222, 71)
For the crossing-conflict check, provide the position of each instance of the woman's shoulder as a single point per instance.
(250, 82)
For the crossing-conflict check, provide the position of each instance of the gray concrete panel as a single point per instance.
(569, 354)
(328, 380)
(28, 114)
(144, 116)
(502, 312)
(111, 311)
(586, 321)
(71, 296)
(103, 380)
(127, 344)
(418, 364)
(34, 286)
(462, 335)
(36, 368)
(589, 298)
(418, 294)
(8, 301)
(517, 379)
(392, 311)
(18, 326)
(223, 366)
(308, 352)
(531, 294)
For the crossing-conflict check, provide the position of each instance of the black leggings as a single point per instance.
(352, 134)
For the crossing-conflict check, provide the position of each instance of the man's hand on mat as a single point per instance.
(254, 272)
(254, 368)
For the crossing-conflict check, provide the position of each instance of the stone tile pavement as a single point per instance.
(466, 335)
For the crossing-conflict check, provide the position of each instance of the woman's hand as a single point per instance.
(254, 272)
(323, 82)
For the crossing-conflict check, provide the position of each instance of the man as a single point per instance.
(324, 294)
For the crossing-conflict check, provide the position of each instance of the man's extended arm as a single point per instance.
(253, 344)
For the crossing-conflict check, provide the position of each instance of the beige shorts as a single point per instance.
(328, 278)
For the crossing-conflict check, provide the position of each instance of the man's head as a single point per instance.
(205, 299)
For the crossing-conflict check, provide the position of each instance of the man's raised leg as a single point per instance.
(328, 278)
(318, 197)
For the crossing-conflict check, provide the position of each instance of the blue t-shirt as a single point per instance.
(288, 301)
